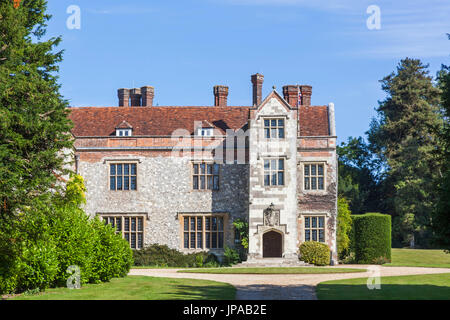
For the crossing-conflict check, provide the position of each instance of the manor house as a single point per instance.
(180, 175)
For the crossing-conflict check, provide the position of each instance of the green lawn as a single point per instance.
(420, 258)
(417, 287)
(277, 270)
(142, 288)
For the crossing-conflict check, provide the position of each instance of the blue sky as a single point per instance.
(184, 48)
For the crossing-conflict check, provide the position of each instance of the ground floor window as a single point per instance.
(203, 231)
(315, 228)
(130, 227)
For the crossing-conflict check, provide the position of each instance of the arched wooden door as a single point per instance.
(272, 245)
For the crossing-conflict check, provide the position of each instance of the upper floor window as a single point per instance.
(205, 176)
(274, 172)
(122, 176)
(124, 132)
(205, 132)
(314, 176)
(274, 128)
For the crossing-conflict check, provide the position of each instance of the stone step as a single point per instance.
(271, 263)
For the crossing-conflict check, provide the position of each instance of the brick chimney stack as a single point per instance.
(290, 94)
(135, 95)
(124, 97)
(306, 95)
(220, 96)
(257, 81)
(147, 93)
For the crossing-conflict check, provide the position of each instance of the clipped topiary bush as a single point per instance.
(372, 238)
(315, 253)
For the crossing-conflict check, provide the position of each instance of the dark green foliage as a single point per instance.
(344, 228)
(405, 136)
(230, 257)
(241, 228)
(372, 237)
(315, 253)
(49, 237)
(34, 126)
(162, 256)
(358, 175)
(441, 217)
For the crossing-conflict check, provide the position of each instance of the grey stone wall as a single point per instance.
(164, 190)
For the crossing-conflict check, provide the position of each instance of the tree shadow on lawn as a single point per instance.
(386, 292)
(275, 292)
(193, 292)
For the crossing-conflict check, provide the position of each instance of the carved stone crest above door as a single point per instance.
(271, 216)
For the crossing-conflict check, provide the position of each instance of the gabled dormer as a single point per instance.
(205, 129)
(124, 129)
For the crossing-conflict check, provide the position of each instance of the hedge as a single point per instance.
(314, 252)
(372, 238)
(162, 256)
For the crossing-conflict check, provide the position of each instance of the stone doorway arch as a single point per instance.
(272, 244)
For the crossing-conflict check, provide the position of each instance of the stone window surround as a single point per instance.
(302, 175)
(108, 162)
(301, 219)
(276, 118)
(315, 215)
(263, 117)
(274, 157)
(143, 215)
(180, 218)
(199, 161)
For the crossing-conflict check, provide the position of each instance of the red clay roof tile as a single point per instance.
(163, 121)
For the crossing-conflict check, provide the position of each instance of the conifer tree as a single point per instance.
(441, 218)
(405, 136)
(34, 127)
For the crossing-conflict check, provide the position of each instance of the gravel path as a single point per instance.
(283, 286)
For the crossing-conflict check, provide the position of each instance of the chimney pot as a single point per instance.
(220, 96)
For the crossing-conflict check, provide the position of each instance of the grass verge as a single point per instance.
(141, 288)
(275, 270)
(419, 258)
(416, 287)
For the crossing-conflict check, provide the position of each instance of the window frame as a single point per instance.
(129, 216)
(316, 176)
(206, 175)
(124, 162)
(203, 216)
(317, 228)
(277, 159)
(205, 132)
(124, 133)
(277, 128)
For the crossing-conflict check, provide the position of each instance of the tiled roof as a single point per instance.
(314, 121)
(163, 121)
(154, 121)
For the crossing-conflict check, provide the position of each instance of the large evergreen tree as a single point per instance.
(34, 127)
(404, 134)
(441, 218)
